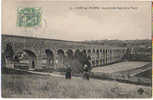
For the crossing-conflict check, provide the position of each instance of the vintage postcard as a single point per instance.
(76, 49)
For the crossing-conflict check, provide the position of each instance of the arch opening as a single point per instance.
(60, 58)
(25, 59)
(89, 51)
(77, 53)
(84, 51)
(70, 53)
(89, 57)
(93, 51)
(97, 53)
(50, 56)
(93, 63)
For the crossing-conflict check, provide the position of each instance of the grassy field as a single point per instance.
(19, 86)
(118, 67)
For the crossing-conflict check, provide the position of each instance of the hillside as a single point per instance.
(123, 43)
(20, 86)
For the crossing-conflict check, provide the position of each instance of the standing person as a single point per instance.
(68, 72)
(86, 72)
(33, 64)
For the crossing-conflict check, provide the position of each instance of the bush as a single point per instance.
(77, 63)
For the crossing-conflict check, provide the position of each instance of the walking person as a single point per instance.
(68, 73)
(85, 72)
(33, 64)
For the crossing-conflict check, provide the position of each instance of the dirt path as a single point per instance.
(49, 74)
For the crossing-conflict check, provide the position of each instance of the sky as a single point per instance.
(82, 20)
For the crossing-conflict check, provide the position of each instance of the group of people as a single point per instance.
(68, 74)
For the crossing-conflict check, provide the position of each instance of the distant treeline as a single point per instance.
(123, 43)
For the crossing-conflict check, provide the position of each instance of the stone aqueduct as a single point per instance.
(52, 52)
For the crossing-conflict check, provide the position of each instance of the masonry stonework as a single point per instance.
(55, 52)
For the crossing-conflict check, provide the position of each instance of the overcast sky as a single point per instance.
(66, 21)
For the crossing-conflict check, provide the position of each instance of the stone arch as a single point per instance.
(105, 56)
(50, 56)
(89, 51)
(82, 57)
(68, 59)
(60, 58)
(89, 57)
(110, 55)
(108, 59)
(84, 51)
(97, 62)
(60, 51)
(97, 52)
(30, 52)
(26, 56)
(106, 51)
(69, 53)
(103, 51)
(77, 53)
(93, 51)
(93, 63)
(110, 51)
(103, 61)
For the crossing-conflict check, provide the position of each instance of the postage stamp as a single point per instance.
(28, 17)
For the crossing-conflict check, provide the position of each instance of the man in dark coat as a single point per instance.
(86, 72)
(68, 72)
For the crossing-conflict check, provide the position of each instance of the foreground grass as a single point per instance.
(19, 86)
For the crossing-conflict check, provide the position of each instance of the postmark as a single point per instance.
(29, 17)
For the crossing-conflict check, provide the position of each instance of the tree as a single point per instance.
(9, 53)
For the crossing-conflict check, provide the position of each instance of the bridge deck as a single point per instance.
(118, 67)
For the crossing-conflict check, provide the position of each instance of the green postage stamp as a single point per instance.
(28, 17)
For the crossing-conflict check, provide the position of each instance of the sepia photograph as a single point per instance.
(76, 49)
